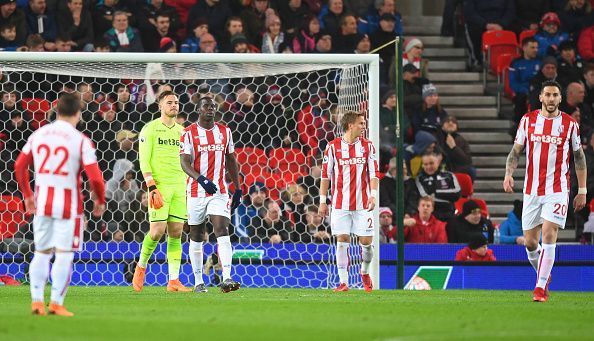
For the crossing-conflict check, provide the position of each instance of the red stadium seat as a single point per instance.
(290, 163)
(251, 159)
(273, 182)
(465, 181)
(496, 43)
(482, 204)
(525, 34)
(503, 63)
(12, 215)
(38, 109)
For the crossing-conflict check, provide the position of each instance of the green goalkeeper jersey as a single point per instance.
(159, 153)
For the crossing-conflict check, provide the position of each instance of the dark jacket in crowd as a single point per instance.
(480, 12)
(461, 231)
(443, 186)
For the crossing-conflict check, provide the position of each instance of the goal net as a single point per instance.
(282, 111)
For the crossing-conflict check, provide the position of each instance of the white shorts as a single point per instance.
(199, 208)
(359, 222)
(552, 207)
(62, 234)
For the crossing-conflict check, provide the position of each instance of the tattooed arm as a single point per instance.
(511, 164)
(579, 160)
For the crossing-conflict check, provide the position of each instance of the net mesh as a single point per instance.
(281, 117)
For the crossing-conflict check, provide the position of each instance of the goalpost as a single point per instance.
(282, 110)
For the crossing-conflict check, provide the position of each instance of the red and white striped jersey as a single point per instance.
(548, 143)
(207, 148)
(350, 168)
(60, 153)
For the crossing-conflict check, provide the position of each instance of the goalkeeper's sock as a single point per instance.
(545, 264)
(342, 261)
(174, 251)
(225, 255)
(367, 255)
(38, 274)
(197, 261)
(533, 257)
(61, 272)
(148, 247)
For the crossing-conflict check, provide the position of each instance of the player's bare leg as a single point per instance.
(343, 242)
(61, 272)
(38, 275)
(157, 229)
(366, 243)
(174, 251)
(197, 238)
(220, 225)
(546, 261)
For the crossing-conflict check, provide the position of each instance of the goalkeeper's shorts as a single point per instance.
(174, 205)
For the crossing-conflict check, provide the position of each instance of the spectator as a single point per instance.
(103, 15)
(528, 14)
(198, 29)
(41, 21)
(481, 16)
(381, 9)
(16, 130)
(573, 104)
(76, 22)
(216, 11)
(381, 37)
(469, 224)
(324, 43)
(295, 199)
(548, 71)
(346, 39)
(208, 44)
(101, 45)
(441, 185)
(521, 71)
(549, 37)
(270, 226)
(292, 13)
(90, 106)
(126, 151)
(233, 27)
(273, 36)
(477, 251)
(167, 45)
(148, 14)
(241, 117)
(424, 142)
(248, 210)
(305, 40)
(308, 116)
(10, 103)
(388, 232)
(125, 108)
(331, 17)
(103, 133)
(121, 37)
(253, 18)
(63, 43)
(240, 44)
(275, 114)
(588, 81)
(511, 229)
(586, 44)
(432, 115)
(311, 181)
(413, 54)
(314, 230)
(458, 157)
(388, 121)
(413, 89)
(120, 191)
(589, 151)
(576, 16)
(362, 44)
(10, 13)
(423, 227)
(387, 187)
(570, 64)
(152, 34)
(8, 37)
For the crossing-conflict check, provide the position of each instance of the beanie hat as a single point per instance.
(428, 90)
(238, 39)
(387, 95)
(412, 43)
(271, 19)
(549, 60)
(166, 44)
(469, 206)
(477, 241)
(550, 18)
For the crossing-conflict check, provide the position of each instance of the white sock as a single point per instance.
(533, 257)
(545, 264)
(367, 255)
(38, 274)
(225, 255)
(61, 272)
(197, 261)
(342, 261)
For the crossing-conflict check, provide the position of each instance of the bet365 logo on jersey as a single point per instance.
(168, 142)
(546, 139)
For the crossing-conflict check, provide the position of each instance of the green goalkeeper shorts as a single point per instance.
(174, 205)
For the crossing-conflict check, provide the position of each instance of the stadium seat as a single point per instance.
(465, 181)
(12, 215)
(525, 34)
(482, 204)
(39, 109)
(251, 159)
(503, 63)
(273, 182)
(290, 163)
(496, 43)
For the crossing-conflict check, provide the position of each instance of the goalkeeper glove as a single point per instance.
(236, 200)
(207, 184)
(155, 198)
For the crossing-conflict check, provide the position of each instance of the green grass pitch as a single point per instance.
(118, 313)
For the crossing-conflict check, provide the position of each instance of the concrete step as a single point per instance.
(419, 30)
(479, 149)
(490, 197)
(467, 113)
(428, 20)
(444, 52)
(498, 138)
(447, 65)
(460, 89)
(494, 185)
(457, 77)
(494, 161)
(500, 209)
(434, 40)
(468, 101)
(497, 174)
(483, 124)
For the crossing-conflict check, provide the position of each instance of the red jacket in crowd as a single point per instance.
(468, 254)
(432, 231)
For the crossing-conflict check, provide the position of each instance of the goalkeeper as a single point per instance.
(166, 182)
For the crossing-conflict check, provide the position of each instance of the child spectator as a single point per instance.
(198, 29)
(511, 229)
(432, 114)
(424, 227)
(305, 39)
(469, 224)
(549, 37)
(7, 37)
(388, 232)
(477, 251)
